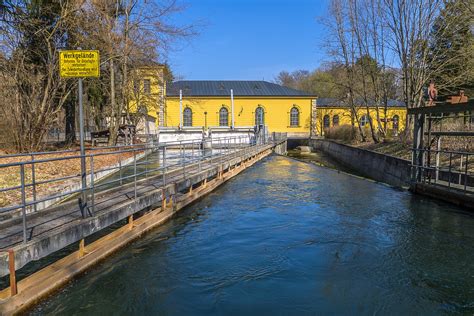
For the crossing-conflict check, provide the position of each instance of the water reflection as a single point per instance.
(287, 237)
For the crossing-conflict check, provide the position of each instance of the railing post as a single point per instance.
(23, 200)
(450, 165)
(201, 155)
(135, 176)
(438, 149)
(130, 222)
(183, 160)
(146, 162)
(82, 250)
(224, 152)
(11, 266)
(163, 199)
(175, 197)
(92, 185)
(212, 152)
(120, 169)
(465, 172)
(33, 181)
(164, 166)
(425, 165)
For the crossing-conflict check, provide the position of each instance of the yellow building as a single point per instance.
(238, 104)
(332, 112)
(147, 97)
(198, 104)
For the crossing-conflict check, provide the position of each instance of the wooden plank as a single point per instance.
(444, 108)
(452, 133)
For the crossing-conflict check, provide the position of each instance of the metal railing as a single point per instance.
(452, 169)
(135, 163)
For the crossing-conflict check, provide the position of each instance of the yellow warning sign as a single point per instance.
(79, 63)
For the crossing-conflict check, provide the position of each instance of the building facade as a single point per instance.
(237, 104)
(199, 104)
(332, 112)
(147, 98)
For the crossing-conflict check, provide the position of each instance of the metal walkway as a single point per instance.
(34, 235)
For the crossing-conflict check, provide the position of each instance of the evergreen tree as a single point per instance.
(452, 48)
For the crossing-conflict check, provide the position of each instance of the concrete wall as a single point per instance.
(384, 168)
(295, 142)
(197, 134)
(281, 148)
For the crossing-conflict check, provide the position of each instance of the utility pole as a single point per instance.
(232, 107)
(180, 109)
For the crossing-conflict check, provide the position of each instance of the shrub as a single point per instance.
(347, 133)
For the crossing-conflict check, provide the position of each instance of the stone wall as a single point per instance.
(384, 168)
(281, 148)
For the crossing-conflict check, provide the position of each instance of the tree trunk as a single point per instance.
(70, 121)
(114, 122)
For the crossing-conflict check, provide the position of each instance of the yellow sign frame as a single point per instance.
(79, 63)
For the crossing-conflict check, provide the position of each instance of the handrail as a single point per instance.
(432, 171)
(171, 156)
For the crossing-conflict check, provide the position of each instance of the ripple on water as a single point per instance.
(287, 237)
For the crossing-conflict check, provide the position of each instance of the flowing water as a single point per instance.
(288, 237)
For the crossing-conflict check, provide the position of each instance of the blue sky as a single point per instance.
(249, 40)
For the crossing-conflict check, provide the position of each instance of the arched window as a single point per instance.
(294, 117)
(259, 116)
(335, 120)
(223, 116)
(187, 117)
(326, 121)
(395, 122)
(364, 120)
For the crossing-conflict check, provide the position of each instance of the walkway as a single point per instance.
(56, 227)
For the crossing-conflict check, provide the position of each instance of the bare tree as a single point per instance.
(30, 37)
(410, 23)
(375, 38)
(132, 34)
(128, 33)
(343, 49)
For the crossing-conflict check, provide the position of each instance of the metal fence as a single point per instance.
(141, 162)
(452, 169)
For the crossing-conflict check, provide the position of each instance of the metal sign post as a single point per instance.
(80, 64)
(81, 141)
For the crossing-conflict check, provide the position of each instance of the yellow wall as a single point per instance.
(277, 111)
(344, 114)
(138, 95)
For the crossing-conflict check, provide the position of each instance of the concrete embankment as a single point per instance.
(394, 171)
(384, 168)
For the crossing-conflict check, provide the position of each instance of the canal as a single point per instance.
(288, 237)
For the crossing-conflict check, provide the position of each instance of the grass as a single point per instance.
(11, 176)
(393, 148)
(403, 150)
